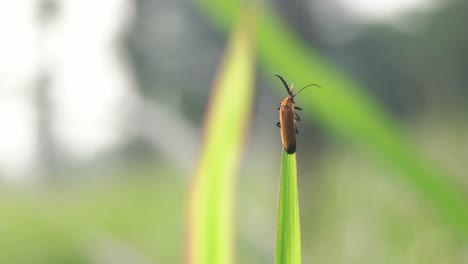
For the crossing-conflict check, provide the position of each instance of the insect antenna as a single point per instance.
(285, 84)
(312, 84)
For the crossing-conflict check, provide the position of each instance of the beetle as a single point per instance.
(288, 117)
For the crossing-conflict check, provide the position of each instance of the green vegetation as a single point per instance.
(134, 218)
(288, 231)
(210, 238)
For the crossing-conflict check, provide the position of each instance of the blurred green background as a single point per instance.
(101, 111)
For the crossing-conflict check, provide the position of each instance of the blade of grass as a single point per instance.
(343, 107)
(288, 231)
(210, 234)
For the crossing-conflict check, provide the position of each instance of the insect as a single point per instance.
(288, 117)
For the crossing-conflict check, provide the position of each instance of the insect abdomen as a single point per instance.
(288, 130)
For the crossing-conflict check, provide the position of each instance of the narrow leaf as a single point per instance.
(210, 234)
(288, 231)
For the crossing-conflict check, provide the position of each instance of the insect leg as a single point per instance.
(295, 127)
(297, 108)
(297, 117)
(278, 124)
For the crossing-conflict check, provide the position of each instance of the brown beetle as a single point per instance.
(288, 117)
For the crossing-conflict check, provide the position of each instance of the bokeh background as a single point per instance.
(101, 111)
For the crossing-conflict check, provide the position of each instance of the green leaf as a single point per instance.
(210, 238)
(288, 231)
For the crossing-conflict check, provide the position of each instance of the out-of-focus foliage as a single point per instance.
(135, 219)
(211, 217)
(415, 70)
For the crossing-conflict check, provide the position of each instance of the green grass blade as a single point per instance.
(210, 234)
(345, 109)
(288, 231)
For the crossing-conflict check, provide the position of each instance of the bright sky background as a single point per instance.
(90, 83)
(385, 10)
